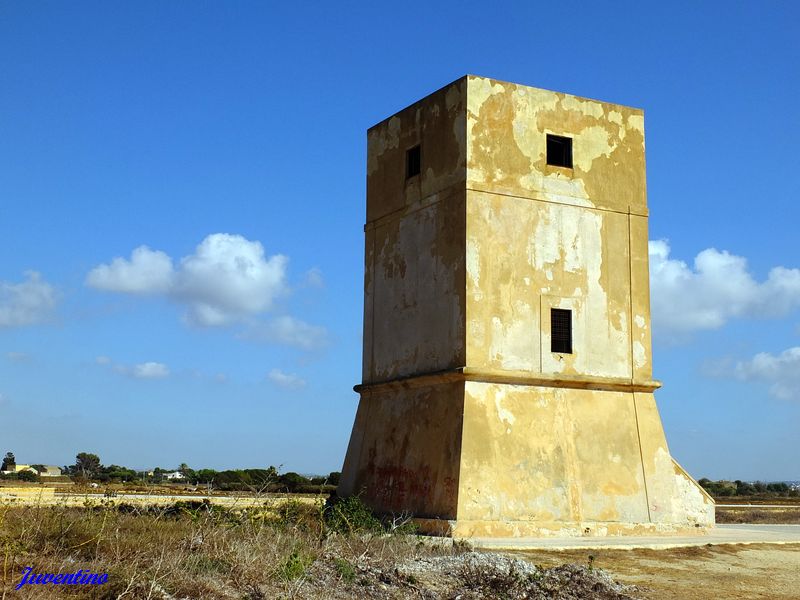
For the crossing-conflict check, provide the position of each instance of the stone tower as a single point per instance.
(507, 381)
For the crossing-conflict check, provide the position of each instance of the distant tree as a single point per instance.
(86, 465)
(9, 462)
(247, 479)
(718, 488)
(205, 475)
(778, 488)
(744, 489)
(333, 477)
(40, 468)
(115, 472)
(186, 471)
(292, 481)
(27, 476)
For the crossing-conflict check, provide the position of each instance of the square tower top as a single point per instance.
(487, 135)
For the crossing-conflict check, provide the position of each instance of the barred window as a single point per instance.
(561, 330)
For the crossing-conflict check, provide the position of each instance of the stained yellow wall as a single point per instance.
(542, 237)
(405, 449)
(414, 311)
(414, 291)
(466, 417)
(506, 146)
(550, 454)
(438, 124)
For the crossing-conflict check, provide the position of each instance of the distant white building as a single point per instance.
(174, 475)
(50, 471)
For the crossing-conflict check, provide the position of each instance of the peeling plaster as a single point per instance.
(463, 265)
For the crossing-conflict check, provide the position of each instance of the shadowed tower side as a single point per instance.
(507, 381)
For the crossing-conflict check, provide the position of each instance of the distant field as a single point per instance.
(731, 509)
(787, 515)
(758, 500)
(758, 509)
(48, 496)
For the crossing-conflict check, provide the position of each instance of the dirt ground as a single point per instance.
(721, 572)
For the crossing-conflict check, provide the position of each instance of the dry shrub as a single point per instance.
(191, 550)
(293, 550)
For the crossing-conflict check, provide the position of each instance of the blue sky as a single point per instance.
(182, 137)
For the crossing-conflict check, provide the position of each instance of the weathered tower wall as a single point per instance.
(466, 415)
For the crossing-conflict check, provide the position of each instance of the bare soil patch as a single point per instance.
(721, 572)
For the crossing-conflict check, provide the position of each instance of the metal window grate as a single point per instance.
(561, 330)
(559, 151)
(413, 162)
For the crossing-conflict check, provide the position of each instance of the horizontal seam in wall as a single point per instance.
(621, 212)
(463, 374)
(427, 202)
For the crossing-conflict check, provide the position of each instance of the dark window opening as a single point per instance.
(412, 162)
(561, 330)
(559, 151)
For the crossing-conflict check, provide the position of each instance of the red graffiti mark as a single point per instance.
(450, 488)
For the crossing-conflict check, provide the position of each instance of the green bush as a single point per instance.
(345, 570)
(301, 515)
(350, 515)
(295, 566)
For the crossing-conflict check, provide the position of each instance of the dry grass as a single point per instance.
(193, 551)
(296, 551)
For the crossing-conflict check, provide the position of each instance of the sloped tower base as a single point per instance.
(476, 459)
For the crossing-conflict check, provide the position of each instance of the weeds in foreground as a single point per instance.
(199, 550)
(345, 570)
(289, 550)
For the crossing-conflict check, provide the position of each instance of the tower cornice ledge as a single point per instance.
(579, 382)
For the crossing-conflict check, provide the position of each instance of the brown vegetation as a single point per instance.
(196, 550)
(790, 515)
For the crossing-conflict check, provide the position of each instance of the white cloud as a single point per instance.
(26, 303)
(150, 370)
(145, 370)
(286, 380)
(18, 356)
(147, 272)
(782, 372)
(314, 278)
(227, 279)
(717, 288)
(290, 331)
